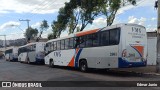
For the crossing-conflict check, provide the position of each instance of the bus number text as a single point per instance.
(113, 54)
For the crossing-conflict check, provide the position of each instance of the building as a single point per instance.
(152, 48)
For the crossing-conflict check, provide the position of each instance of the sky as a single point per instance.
(11, 11)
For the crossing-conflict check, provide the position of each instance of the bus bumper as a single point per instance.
(14, 60)
(39, 61)
(125, 64)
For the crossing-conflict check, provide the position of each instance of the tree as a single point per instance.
(77, 14)
(51, 36)
(43, 27)
(87, 10)
(83, 12)
(56, 29)
(31, 33)
(113, 7)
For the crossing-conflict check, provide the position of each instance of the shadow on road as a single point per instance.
(105, 72)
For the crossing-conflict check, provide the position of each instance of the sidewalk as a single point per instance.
(148, 70)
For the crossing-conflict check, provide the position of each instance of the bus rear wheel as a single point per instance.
(51, 63)
(83, 66)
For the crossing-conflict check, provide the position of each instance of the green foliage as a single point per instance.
(56, 29)
(77, 14)
(132, 2)
(51, 36)
(43, 27)
(31, 33)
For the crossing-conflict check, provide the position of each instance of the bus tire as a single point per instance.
(51, 63)
(83, 66)
(28, 61)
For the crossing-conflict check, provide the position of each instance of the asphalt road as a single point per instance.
(15, 71)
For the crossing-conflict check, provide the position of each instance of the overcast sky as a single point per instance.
(37, 10)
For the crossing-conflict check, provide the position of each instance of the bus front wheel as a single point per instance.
(83, 66)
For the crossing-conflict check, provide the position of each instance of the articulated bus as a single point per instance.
(32, 53)
(11, 54)
(117, 46)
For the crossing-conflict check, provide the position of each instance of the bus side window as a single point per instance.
(114, 36)
(31, 48)
(23, 49)
(89, 42)
(95, 40)
(71, 43)
(27, 49)
(58, 45)
(62, 44)
(82, 41)
(66, 43)
(47, 45)
(34, 47)
(77, 42)
(104, 38)
(51, 46)
(55, 45)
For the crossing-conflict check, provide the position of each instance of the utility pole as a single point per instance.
(26, 20)
(157, 5)
(4, 41)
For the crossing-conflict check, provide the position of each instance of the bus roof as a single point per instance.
(31, 44)
(95, 30)
(120, 25)
(76, 34)
(9, 48)
(87, 32)
(72, 35)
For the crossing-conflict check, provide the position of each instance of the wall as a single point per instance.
(152, 48)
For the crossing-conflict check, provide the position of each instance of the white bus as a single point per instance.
(11, 54)
(117, 46)
(32, 53)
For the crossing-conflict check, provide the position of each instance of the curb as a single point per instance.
(155, 74)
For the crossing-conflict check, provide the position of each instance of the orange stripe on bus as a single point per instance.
(87, 32)
(139, 49)
(71, 63)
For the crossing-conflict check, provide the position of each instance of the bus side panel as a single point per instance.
(31, 56)
(46, 59)
(15, 53)
(10, 56)
(40, 47)
(39, 55)
(61, 57)
(7, 57)
(22, 57)
(101, 57)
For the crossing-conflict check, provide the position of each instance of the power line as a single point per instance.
(27, 20)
